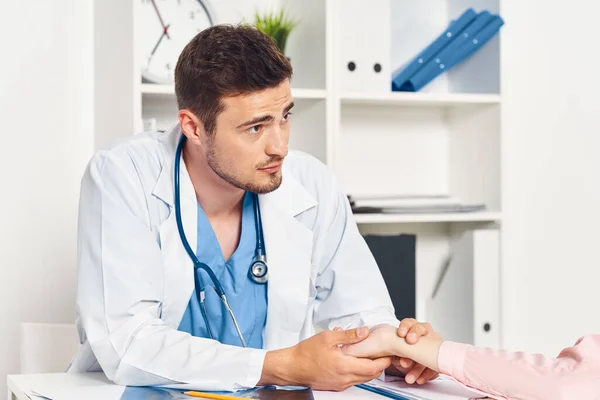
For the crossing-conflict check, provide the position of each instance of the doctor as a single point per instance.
(208, 254)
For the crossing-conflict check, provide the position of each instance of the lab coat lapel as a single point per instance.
(179, 276)
(288, 245)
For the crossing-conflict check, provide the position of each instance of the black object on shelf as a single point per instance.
(396, 257)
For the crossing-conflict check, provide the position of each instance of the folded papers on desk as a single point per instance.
(107, 392)
(443, 388)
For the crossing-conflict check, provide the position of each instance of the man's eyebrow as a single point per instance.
(288, 108)
(264, 118)
(256, 120)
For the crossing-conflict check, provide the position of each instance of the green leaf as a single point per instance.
(277, 25)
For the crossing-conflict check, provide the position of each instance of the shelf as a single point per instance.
(317, 94)
(483, 216)
(420, 99)
(168, 90)
(150, 88)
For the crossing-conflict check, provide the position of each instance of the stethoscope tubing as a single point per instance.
(260, 253)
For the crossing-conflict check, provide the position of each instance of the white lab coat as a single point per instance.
(135, 279)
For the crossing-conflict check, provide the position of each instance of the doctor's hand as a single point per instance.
(411, 330)
(319, 362)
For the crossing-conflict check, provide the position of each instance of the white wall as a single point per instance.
(551, 168)
(47, 138)
(551, 179)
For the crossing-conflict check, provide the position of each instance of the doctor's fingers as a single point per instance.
(403, 364)
(363, 367)
(427, 375)
(350, 336)
(414, 373)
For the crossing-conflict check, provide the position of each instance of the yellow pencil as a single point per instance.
(211, 396)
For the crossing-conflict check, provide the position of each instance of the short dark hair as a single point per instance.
(226, 60)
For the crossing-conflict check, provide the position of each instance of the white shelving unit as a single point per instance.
(448, 100)
(148, 90)
(444, 140)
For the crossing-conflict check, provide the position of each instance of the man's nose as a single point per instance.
(278, 143)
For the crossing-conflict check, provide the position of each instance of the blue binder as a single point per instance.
(472, 39)
(477, 41)
(454, 28)
(482, 19)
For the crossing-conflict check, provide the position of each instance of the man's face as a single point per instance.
(251, 139)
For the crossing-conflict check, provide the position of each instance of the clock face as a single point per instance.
(167, 26)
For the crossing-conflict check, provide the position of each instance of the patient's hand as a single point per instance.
(381, 342)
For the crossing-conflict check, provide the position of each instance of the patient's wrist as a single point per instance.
(424, 352)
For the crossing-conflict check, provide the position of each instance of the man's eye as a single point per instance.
(287, 116)
(255, 129)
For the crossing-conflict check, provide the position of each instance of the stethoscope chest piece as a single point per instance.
(259, 272)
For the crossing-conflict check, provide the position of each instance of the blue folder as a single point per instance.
(383, 392)
(472, 39)
(454, 28)
(477, 41)
(448, 52)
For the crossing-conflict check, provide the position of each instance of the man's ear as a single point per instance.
(192, 127)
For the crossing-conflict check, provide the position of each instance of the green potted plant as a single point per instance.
(278, 25)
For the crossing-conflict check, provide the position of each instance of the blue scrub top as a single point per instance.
(247, 299)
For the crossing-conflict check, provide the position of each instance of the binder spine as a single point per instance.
(423, 58)
(486, 288)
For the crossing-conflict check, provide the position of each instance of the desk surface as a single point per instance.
(19, 385)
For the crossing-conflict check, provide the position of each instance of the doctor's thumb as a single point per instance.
(351, 336)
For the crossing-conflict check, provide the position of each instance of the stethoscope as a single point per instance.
(258, 271)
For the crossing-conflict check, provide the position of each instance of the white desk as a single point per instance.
(19, 385)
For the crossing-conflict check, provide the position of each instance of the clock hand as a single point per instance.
(165, 27)
(159, 40)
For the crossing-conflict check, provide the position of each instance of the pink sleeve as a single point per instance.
(573, 375)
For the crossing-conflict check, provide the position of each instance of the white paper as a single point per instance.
(352, 393)
(442, 388)
(105, 392)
